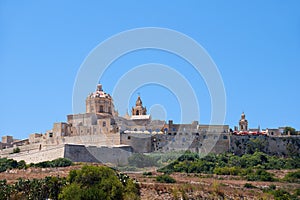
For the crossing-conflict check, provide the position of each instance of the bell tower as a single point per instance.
(243, 124)
(139, 109)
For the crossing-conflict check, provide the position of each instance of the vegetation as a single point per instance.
(292, 177)
(16, 150)
(6, 164)
(141, 161)
(290, 130)
(36, 189)
(93, 182)
(147, 174)
(90, 183)
(250, 166)
(59, 162)
(260, 175)
(249, 185)
(165, 179)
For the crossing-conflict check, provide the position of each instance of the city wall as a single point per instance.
(77, 153)
(281, 146)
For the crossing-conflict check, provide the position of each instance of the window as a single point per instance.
(225, 137)
(50, 134)
(101, 109)
(128, 137)
(104, 124)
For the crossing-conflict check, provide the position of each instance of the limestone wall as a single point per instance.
(205, 143)
(196, 142)
(281, 146)
(140, 143)
(40, 156)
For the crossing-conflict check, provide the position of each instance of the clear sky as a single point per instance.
(255, 45)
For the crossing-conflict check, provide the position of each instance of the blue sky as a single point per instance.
(255, 45)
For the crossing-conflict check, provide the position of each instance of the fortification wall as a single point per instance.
(39, 156)
(76, 153)
(23, 149)
(94, 140)
(140, 143)
(201, 143)
(281, 146)
(196, 142)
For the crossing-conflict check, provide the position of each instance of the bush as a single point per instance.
(228, 171)
(147, 174)
(249, 185)
(60, 162)
(292, 177)
(165, 179)
(281, 195)
(260, 175)
(10, 164)
(47, 188)
(16, 150)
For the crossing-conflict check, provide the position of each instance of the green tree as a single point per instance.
(290, 130)
(93, 182)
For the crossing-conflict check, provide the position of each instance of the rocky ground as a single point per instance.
(187, 186)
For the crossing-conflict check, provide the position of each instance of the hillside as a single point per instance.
(187, 186)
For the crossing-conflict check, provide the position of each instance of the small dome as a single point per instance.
(243, 115)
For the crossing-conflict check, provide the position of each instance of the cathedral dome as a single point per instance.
(100, 93)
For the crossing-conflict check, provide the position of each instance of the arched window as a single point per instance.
(101, 109)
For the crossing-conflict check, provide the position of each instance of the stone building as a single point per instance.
(100, 134)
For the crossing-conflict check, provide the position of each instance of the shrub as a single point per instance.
(147, 174)
(47, 188)
(165, 179)
(227, 171)
(60, 162)
(292, 177)
(249, 185)
(272, 187)
(260, 175)
(16, 150)
(10, 164)
(281, 195)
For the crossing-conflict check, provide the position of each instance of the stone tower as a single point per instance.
(100, 102)
(139, 109)
(243, 124)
